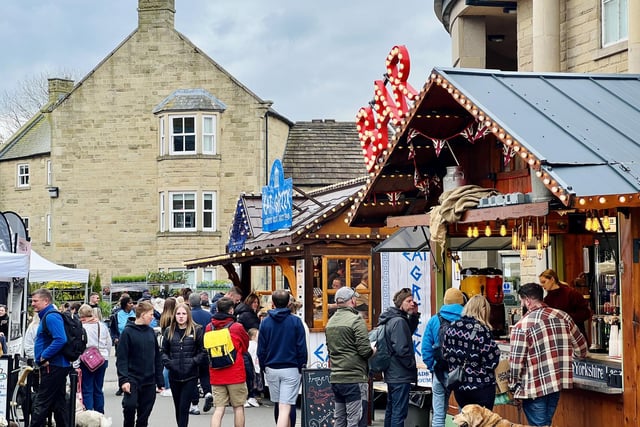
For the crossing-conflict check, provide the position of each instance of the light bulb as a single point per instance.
(470, 232)
(606, 222)
(523, 250)
(529, 231)
(514, 239)
(503, 230)
(587, 224)
(476, 233)
(539, 248)
(487, 230)
(545, 235)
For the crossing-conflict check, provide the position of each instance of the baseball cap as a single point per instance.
(345, 294)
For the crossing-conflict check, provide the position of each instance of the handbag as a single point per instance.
(457, 376)
(91, 357)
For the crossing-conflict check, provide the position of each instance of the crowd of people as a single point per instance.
(271, 345)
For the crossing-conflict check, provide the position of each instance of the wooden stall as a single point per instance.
(306, 258)
(554, 155)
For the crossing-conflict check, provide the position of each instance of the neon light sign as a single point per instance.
(373, 126)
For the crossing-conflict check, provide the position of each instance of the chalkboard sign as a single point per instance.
(317, 398)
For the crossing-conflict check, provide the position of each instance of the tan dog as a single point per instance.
(479, 416)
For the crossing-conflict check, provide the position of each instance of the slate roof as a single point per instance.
(584, 128)
(33, 139)
(190, 100)
(323, 152)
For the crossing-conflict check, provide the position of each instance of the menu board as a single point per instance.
(317, 398)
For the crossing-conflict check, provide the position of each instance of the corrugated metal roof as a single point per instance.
(584, 128)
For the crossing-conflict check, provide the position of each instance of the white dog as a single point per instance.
(92, 419)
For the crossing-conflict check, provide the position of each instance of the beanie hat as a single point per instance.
(400, 296)
(453, 296)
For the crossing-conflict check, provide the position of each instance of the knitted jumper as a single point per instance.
(482, 354)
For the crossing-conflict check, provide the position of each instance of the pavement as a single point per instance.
(163, 411)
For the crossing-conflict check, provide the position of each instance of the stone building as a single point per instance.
(577, 36)
(138, 166)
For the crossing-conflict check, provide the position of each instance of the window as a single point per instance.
(162, 213)
(49, 173)
(209, 135)
(208, 275)
(183, 135)
(189, 277)
(183, 211)
(162, 136)
(331, 273)
(614, 21)
(47, 238)
(23, 175)
(208, 211)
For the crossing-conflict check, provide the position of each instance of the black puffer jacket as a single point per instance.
(402, 368)
(182, 355)
(247, 317)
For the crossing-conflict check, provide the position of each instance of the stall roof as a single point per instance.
(578, 131)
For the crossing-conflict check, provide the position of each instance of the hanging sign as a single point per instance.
(373, 121)
(277, 200)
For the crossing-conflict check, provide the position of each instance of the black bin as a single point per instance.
(419, 414)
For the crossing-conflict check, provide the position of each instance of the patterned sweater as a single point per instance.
(482, 354)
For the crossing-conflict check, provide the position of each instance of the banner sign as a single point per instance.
(277, 200)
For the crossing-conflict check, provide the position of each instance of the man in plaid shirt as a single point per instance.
(543, 344)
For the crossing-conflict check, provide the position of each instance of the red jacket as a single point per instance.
(234, 374)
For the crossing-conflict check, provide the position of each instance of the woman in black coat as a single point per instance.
(247, 312)
(182, 353)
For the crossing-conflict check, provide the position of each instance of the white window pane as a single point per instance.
(207, 125)
(207, 144)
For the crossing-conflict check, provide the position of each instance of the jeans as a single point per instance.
(439, 403)
(397, 404)
(92, 384)
(539, 411)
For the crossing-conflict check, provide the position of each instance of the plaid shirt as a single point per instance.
(543, 344)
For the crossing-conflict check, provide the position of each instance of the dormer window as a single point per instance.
(189, 123)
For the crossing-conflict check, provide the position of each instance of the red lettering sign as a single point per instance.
(373, 122)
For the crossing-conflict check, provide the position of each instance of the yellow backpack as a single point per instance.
(220, 348)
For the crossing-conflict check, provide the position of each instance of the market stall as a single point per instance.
(541, 168)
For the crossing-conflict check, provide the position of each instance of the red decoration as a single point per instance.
(394, 197)
(507, 154)
(438, 144)
(373, 127)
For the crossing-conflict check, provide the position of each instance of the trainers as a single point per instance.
(246, 404)
(252, 402)
(119, 392)
(208, 402)
(166, 392)
(194, 410)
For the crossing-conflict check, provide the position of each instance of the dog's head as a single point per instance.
(474, 416)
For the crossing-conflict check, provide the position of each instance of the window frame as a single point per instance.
(622, 12)
(162, 222)
(23, 179)
(212, 134)
(211, 211)
(172, 226)
(48, 233)
(49, 173)
(173, 135)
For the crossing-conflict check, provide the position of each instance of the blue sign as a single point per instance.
(277, 200)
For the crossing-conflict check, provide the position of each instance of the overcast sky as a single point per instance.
(313, 59)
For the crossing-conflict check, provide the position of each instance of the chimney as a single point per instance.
(58, 88)
(156, 14)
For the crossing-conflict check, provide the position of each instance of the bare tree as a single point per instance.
(21, 103)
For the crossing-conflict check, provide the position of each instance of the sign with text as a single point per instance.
(409, 270)
(317, 398)
(277, 200)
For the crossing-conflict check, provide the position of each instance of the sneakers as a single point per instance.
(166, 392)
(193, 410)
(251, 402)
(208, 402)
(119, 392)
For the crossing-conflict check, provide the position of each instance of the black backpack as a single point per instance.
(440, 366)
(76, 335)
(380, 361)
